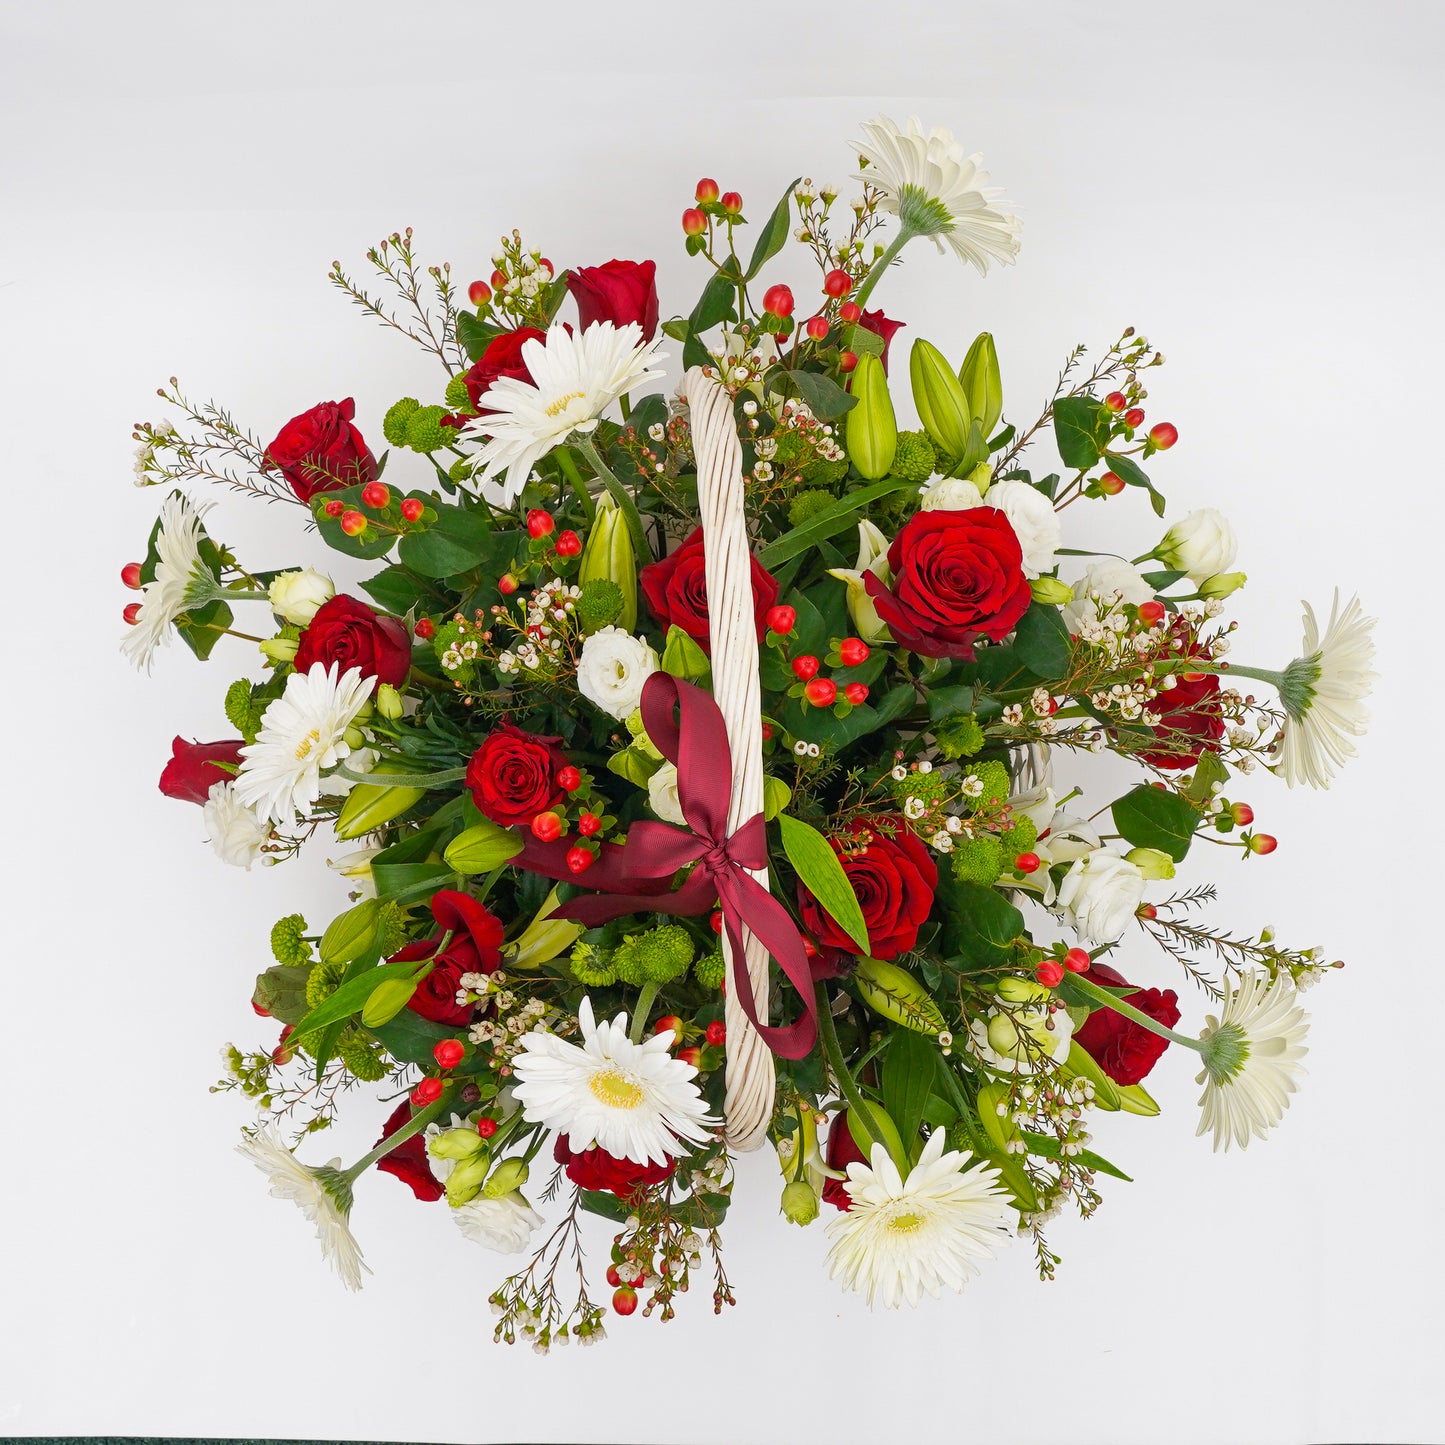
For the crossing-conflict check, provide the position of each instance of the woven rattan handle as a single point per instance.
(736, 690)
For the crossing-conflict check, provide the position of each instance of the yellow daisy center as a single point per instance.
(563, 402)
(906, 1222)
(613, 1088)
(303, 748)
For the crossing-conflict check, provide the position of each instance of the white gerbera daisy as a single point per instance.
(232, 829)
(323, 1196)
(504, 1225)
(302, 732)
(576, 376)
(1251, 1059)
(935, 190)
(182, 579)
(634, 1100)
(902, 1239)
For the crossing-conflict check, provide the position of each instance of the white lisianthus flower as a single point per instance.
(232, 829)
(1101, 892)
(662, 794)
(296, 596)
(950, 494)
(504, 1225)
(1062, 839)
(1107, 578)
(612, 669)
(872, 557)
(1202, 545)
(1034, 521)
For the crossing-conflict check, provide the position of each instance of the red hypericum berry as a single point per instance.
(732, 203)
(568, 543)
(694, 222)
(669, 1024)
(1152, 612)
(1028, 863)
(353, 523)
(1242, 814)
(853, 651)
(479, 293)
(856, 693)
(256, 1008)
(580, 859)
(131, 613)
(281, 1054)
(1263, 843)
(715, 921)
(1134, 417)
(547, 826)
(767, 732)
(412, 508)
(1077, 961)
(847, 360)
(543, 264)
(691, 1056)
(624, 1300)
(506, 584)
(588, 824)
(427, 1091)
(569, 778)
(816, 327)
(850, 311)
(1111, 484)
(499, 279)
(425, 628)
(837, 283)
(540, 523)
(822, 692)
(781, 619)
(778, 300)
(1050, 973)
(333, 508)
(716, 1033)
(449, 1053)
(1163, 434)
(612, 1277)
(707, 190)
(805, 667)
(1146, 911)
(486, 1127)
(376, 495)
(1116, 401)
(130, 575)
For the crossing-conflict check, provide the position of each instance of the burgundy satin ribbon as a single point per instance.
(636, 877)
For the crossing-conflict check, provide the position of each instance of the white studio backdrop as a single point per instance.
(1253, 187)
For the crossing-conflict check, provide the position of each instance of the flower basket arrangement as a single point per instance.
(696, 761)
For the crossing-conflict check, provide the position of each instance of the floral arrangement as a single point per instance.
(507, 725)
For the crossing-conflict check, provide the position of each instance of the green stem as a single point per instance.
(579, 485)
(414, 1125)
(1103, 996)
(620, 494)
(875, 273)
(833, 1052)
(1263, 674)
(644, 1007)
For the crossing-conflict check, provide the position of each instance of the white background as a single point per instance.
(1255, 187)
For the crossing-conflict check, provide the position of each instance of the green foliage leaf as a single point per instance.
(354, 992)
(1042, 641)
(776, 796)
(1081, 429)
(281, 991)
(408, 880)
(822, 874)
(203, 627)
(1209, 772)
(825, 398)
(1046, 1146)
(774, 235)
(475, 334)
(350, 934)
(714, 305)
(395, 590)
(455, 543)
(910, 1072)
(1151, 817)
(1130, 472)
(979, 923)
(411, 1038)
(829, 522)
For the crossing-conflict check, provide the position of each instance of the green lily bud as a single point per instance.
(388, 702)
(509, 1175)
(872, 557)
(609, 554)
(872, 428)
(1051, 592)
(800, 1202)
(1221, 585)
(1021, 990)
(370, 806)
(893, 993)
(544, 937)
(280, 649)
(464, 1183)
(1153, 864)
(943, 406)
(482, 847)
(981, 382)
(457, 1144)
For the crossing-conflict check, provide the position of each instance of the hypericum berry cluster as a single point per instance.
(812, 688)
(379, 511)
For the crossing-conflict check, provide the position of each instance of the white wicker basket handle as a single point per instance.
(734, 638)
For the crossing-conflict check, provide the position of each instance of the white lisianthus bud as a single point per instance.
(1106, 578)
(296, 596)
(1201, 544)
(662, 794)
(1221, 585)
(1101, 893)
(388, 702)
(1052, 592)
(279, 649)
(950, 494)
(612, 669)
(1152, 863)
(1034, 521)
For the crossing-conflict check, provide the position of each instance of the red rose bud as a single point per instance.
(622, 292)
(506, 584)
(348, 633)
(850, 311)
(131, 613)
(486, 1127)
(822, 692)
(1242, 814)
(568, 544)
(856, 693)
(816, 327)
(1163, 434)
(130, 575)
(805, 667)
(624, 1300)
(669, 1024)
(412, 508)
(353, 523)
(547, 826)
(706, 190)
(580, 859)
(781, 620)
(449, 1053)
(193, 769)
(732, 203)
(425, 628)
(376, 495)
(1077, 961)
(1111, 484)
(853, 651)
(427, 1091)
(691, 1056)
(694, 223)
(1028, 863)
(321, 451)
(717, 1034)
(1152, 612)
(778, 301)
(1116, 401)
(1262, 843)
(479, 293)
(333, 508)
(589, 824)
(540, 523)
(569, 778)
(1050, 973)
(1134, 417)
(847, 360)
(837, 283)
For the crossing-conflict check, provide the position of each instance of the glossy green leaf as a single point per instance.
(817, 865)
(1042, 641)
(825, 398)
(909, 1074)
(1081, 429)
(455, 543)
(350, 997)
(774, 235)
(1150, 817)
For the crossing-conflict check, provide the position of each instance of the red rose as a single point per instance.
(320, 450)
(503, 357)
(676, 591)
(475, 947)
(892, 875)
(1189, 718)
(595, 1168)
(621, 292)
(843, 1150)
(880, 325)
(957, 576)
(1123, 1049)
(350, 634)
(192, 771)
(409, 1161)
(513, 775)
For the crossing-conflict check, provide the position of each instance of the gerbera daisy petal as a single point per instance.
(182, 579)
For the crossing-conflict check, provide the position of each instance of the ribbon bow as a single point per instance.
(636, 877)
